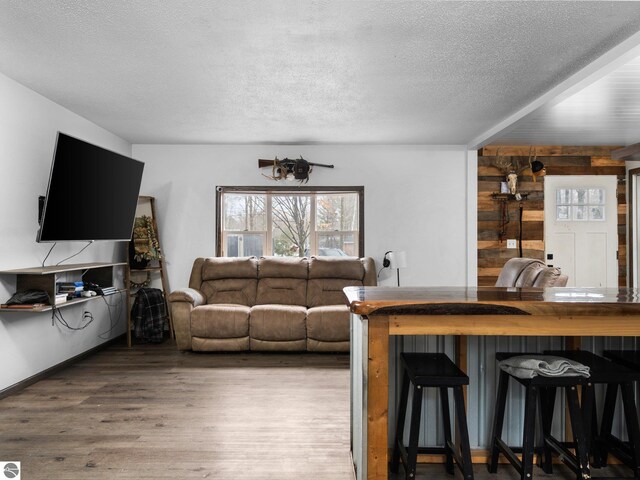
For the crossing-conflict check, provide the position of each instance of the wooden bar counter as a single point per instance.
(378, 312)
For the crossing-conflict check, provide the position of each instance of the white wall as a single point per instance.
(416, 200)
(28, 124)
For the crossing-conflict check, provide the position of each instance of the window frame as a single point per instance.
(221, 190)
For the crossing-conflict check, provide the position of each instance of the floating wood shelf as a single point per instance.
(146, 269)
(46, 278)
(510, 196)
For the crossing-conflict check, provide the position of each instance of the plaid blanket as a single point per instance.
(149, 314)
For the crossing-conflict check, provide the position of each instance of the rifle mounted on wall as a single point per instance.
(288, 169)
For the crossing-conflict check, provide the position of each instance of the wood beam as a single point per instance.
(631, 152)
(547, 150)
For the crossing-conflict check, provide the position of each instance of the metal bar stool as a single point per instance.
(432, 370)
(627, 452)
(542, 390)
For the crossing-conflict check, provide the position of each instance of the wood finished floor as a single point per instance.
(155, 413)
(152, 412)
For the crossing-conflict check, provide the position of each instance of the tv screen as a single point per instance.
(92, 193)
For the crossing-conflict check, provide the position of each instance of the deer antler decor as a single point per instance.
(288, 169)
(506, 166)
(503, 163)
(512, 169)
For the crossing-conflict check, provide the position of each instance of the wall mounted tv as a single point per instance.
(92, 193)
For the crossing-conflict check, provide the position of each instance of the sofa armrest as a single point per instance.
(182, 302)
(191, 295)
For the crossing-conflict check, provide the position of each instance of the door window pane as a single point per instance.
(563, 196)
(596, 212)
(579, 212)
(596, 196)
(563, 212)
(579, 196)
(580, 204)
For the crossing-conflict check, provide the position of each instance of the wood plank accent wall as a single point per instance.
(559, 160)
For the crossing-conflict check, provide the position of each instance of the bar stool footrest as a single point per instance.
(567, 457)
(619, 449)
(509, 454)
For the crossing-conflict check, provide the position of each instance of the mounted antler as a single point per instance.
(288, 169)
(537, 167)
(503, 163)
(511, 169)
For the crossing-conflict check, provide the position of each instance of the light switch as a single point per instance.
(512, 243)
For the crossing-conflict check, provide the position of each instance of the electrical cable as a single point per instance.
(385, 263)
(112, 324)
(75, 254)
(49, 253)
(57, 315)
(520, 230)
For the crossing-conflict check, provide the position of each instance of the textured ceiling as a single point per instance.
(273, 71)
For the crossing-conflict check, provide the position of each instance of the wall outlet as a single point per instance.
(512, 243)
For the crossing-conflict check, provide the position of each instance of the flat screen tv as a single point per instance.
(92, 193)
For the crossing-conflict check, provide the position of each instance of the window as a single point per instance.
(580, 204)
(290, 221)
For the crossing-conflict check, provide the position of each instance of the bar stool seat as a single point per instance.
(542, 390)
(426, 370)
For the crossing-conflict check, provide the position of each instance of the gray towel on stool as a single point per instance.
(527, 366)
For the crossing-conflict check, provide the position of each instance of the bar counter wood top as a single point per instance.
(480, 300)
(380, 312)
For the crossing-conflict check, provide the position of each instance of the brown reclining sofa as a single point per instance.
(268, 304)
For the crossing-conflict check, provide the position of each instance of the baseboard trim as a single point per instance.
(17, 387)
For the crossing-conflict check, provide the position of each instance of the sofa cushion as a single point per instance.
(329, 323)
(529, 275)
(328, 291)
(200, 344)
(283, 267)
(336, 267)
(519, 272)
(278, 322)
(241, 291)
(220, 321)
(215, 268)
(282, 280)
(284, 291)
(258, 345)
(549, 277)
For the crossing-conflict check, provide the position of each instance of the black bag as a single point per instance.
(29, 297)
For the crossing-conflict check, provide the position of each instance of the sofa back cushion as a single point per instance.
(282, 280)
(329, 275)
(230, 280)
(550, 277)
(519, 272)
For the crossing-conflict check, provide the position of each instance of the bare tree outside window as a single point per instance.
(245, 212)
(291, 225)
(337, 212)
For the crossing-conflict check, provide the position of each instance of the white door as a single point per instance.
(581, 228)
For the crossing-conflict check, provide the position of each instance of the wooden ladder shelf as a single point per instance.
(150, 204)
